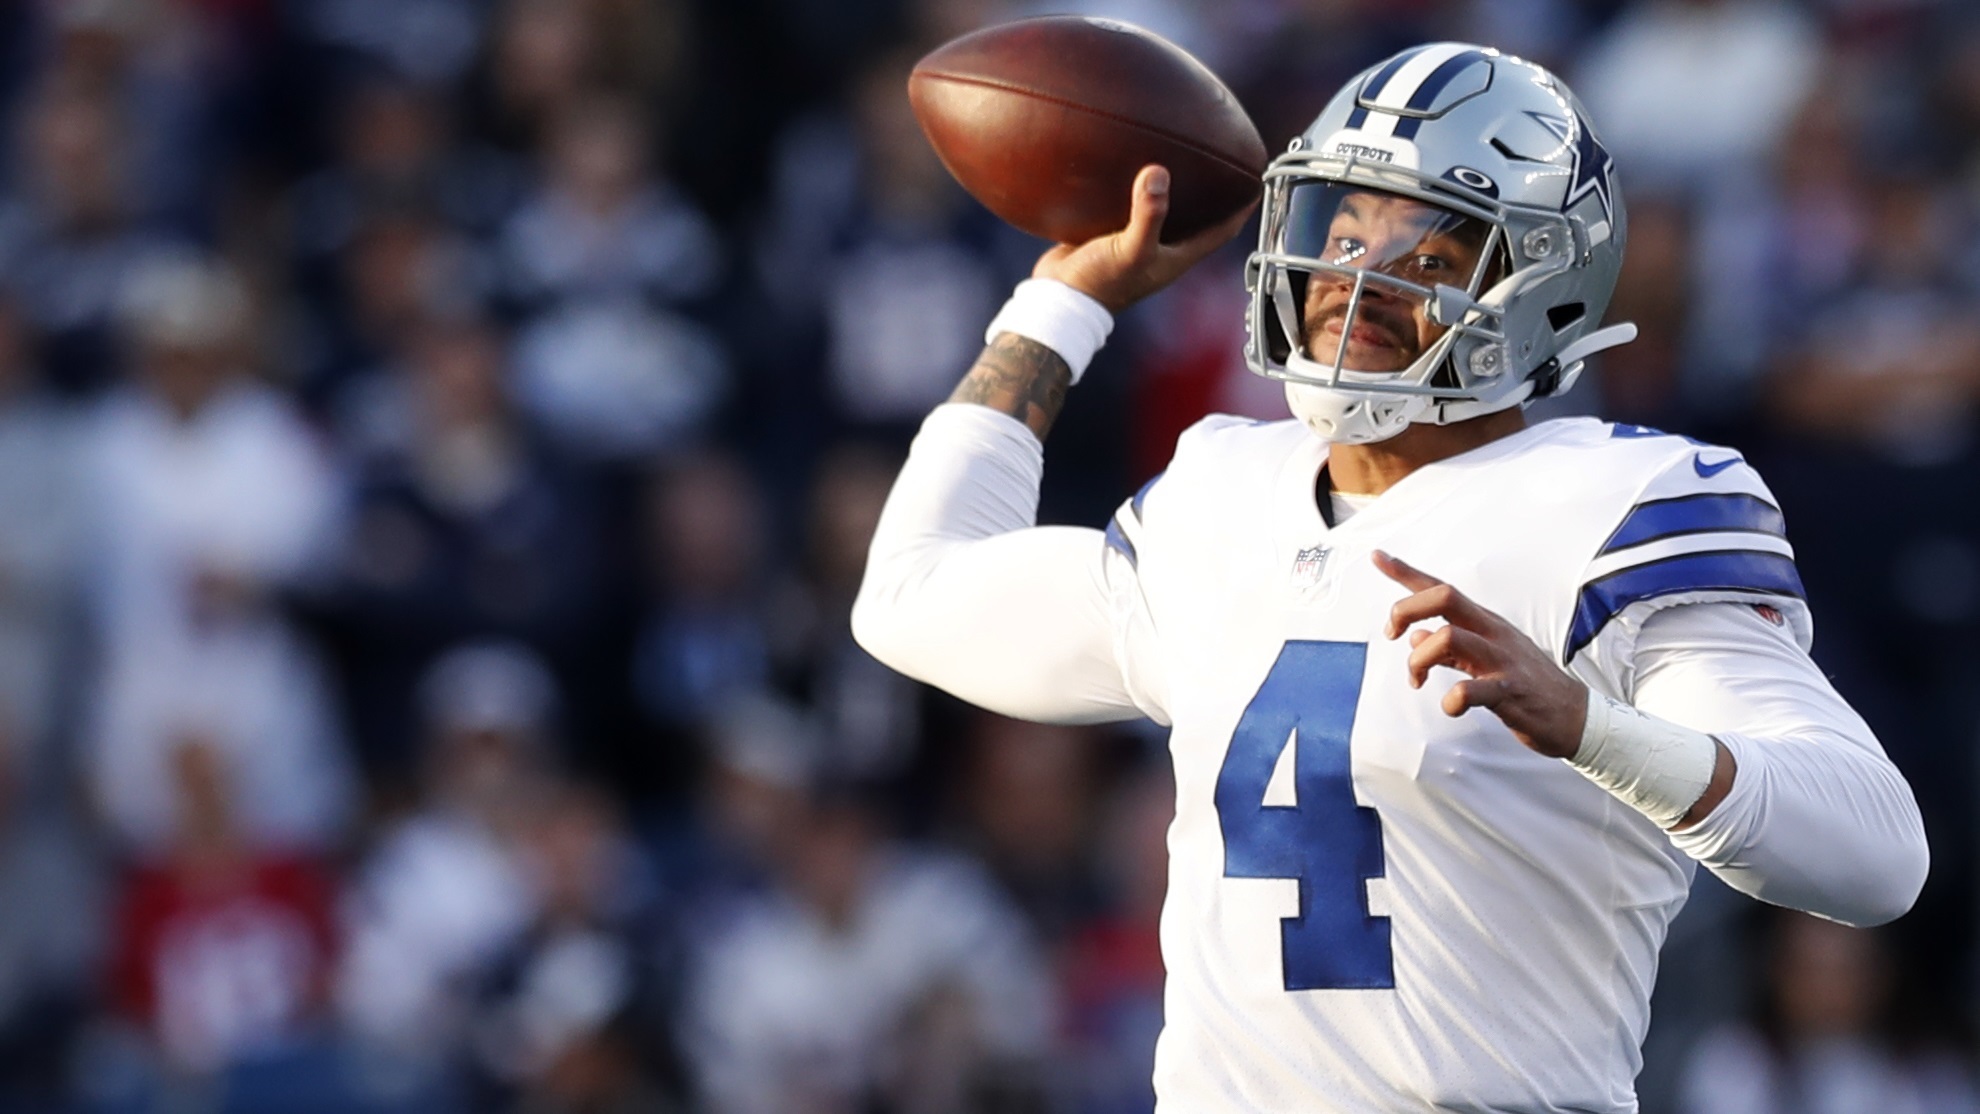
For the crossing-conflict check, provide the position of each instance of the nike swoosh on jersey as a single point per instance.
(1709, 470)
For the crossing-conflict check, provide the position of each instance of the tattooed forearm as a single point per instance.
(1020, 377)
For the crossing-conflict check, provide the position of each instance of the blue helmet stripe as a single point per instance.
(1426, 93)
(1696, 514)
(1741, 570)
(1373, 87)
(1117, 539)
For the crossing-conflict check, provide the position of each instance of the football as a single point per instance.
(1047, 120)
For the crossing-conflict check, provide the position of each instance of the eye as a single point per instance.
(1346, 249)
(1425, 269)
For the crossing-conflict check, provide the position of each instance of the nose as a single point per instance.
(1379, 293)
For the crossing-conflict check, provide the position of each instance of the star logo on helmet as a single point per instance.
(1592, 161)
(1592, 167)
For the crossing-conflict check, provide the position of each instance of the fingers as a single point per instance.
(1430, 598)
(1464, 643)
(1440, 601)
(1403, 573)
(1460, 649)
(1478, 692)
(1450, 646)
(1509, 674)
(1123, 267)
(1147, 211)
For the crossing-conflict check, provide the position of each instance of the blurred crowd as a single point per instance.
(438, 444)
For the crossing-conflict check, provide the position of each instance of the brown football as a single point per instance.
(1046, 121)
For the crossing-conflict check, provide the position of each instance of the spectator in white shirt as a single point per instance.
(207, 496)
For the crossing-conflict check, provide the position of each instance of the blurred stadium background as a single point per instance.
(438, 441)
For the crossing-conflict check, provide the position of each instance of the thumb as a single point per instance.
(1148, 209)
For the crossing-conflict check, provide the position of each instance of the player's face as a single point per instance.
(1399, 237)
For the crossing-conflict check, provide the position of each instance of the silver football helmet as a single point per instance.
(1441, 243)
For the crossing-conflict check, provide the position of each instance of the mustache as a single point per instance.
(1392, 332)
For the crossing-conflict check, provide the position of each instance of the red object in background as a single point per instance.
(1107, 961)
(1110, 987)
(1193, 363)
(219, 962)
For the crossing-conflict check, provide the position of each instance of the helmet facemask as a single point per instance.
(1384, 301)
(1462, 145)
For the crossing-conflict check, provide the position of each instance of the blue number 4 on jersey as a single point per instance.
(1332, 845)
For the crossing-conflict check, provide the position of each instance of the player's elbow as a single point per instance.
(1889, 885)
(884, 624)
(875, 625)
(1849, 848)
(1874, 879)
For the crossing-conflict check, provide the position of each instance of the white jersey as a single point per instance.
(1353, 872)
(1374, 906)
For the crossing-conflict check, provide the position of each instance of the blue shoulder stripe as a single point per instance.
(1118, 539)
(1695, 514)
(1721, 570)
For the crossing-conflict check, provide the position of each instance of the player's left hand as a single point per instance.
(1510, 675)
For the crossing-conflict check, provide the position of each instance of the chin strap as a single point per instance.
(1611, 336)
(1552, 378)
(1561, 371)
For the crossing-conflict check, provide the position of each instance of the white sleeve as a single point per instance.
(1818, 817)
(964, 592)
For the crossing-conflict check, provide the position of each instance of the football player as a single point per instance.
(1457, 702)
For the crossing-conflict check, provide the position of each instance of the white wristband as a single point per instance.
(1055, 315)
(1654, 766)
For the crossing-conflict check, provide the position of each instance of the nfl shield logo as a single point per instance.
(1308, 564)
